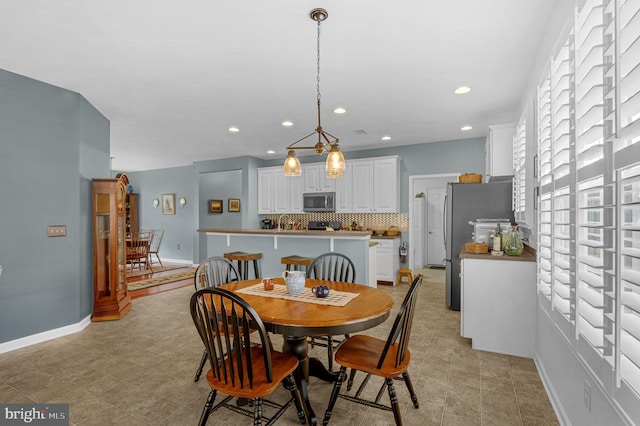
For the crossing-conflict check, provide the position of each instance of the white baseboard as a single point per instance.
(23, 342)
(180, 261)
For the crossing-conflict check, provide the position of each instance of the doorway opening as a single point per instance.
(427, 195)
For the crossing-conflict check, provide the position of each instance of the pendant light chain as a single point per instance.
(318, 63)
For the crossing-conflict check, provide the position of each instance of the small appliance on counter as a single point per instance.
(483, 228)
(322, 225)
(267, 224)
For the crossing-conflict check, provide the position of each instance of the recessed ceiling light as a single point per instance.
(339, 110)
(465, 128)
(287, 123)
(271, 151)
(234, 129)
(386, 138)
(462, 90)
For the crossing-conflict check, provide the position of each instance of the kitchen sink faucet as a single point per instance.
(280, 220)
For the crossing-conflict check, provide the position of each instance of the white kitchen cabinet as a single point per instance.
(375, 184)
(370, 185)
(315, 178)
(386, 185)
(278, 193)
(344, 191)
(296, 189)
(499, 150)
(387, 260)
(362, 185)
(265, 189)
(498, 305)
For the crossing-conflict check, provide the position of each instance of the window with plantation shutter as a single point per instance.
(629, 72)
(563, 263)
(545, 180)
(595, 273)
(519, 157)
(588, 126)
(629, 258)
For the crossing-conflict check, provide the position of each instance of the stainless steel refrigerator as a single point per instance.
(467, 202)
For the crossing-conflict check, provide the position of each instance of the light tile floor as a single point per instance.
(139, 371)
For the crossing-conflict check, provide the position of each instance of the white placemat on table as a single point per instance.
(335, 298)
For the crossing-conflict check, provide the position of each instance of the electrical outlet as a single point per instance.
(56, 230)
(587, 396)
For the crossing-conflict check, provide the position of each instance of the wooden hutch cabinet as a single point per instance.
(110, 295)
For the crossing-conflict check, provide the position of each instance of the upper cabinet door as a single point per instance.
(282, 194)
(386, 179)
(315, 179)
(265, 184)
(296, 186)
(499, 150)
(344, 191)
(362, 185)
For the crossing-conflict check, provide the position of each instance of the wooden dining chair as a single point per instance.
(332, 267)
(213, 272)
(238, 369)
(137, 250)
(158, 234)
(387, 359)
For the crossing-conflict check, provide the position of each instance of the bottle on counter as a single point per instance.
(497, 241)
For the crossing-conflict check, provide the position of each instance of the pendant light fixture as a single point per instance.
(326, 142)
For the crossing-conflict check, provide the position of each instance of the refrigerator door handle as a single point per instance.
(444, 222)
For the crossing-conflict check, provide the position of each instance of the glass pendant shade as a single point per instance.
(292, 165)
(335, 162)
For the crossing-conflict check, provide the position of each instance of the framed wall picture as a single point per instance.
(215, 206)
(168, 203)
(234, 205)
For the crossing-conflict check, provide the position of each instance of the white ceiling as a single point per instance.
(173, 76)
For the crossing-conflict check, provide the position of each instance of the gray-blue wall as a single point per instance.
(52, 143)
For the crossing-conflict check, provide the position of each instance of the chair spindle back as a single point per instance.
(401, 330)
(333, 267)
(224, 322)
(215, 271)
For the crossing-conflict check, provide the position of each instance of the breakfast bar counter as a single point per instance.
(275, 244)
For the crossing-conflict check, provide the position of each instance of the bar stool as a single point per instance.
(407, 273)
(296, 262)
(243, 260)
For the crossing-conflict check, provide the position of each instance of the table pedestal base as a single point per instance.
(298, 346)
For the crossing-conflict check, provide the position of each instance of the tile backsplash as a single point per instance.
(366, 220)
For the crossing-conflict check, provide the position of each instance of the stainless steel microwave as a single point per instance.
(319, 202)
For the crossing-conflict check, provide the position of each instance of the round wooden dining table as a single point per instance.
(296, 320)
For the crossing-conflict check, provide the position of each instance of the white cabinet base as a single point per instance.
(498, 309)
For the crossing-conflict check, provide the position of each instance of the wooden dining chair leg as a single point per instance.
(207, 408)
(290, 384)
(334, 395)
(201, 367)
(257, 411)
(412, 393)
(395, 407)
(352, 375)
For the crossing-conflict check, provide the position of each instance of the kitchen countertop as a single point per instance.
(384, 237)
(528, 255)
(275, 232)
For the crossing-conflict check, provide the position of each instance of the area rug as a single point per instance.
(139, 285)
(155, 268)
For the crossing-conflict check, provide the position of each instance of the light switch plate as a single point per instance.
(56, 230)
